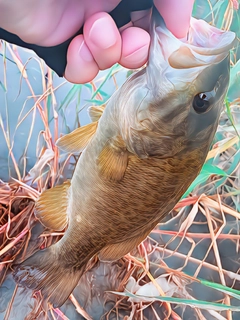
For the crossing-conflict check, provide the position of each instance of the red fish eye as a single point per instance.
(201, 103)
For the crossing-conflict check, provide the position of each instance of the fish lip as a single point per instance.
(203, 48)
(173, 65)
(206, 45)
(221, 41)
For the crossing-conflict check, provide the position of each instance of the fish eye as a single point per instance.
(201, 102)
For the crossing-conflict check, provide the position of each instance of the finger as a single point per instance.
(103, 39)
(176, 15)
(81, 66)
(141, 19)
(135, 47)
(122, 14)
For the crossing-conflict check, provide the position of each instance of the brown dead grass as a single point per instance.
(17, 220)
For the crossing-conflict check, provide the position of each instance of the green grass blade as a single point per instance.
(201, 304)
(113, 70)
(219, 287)
(207, 170)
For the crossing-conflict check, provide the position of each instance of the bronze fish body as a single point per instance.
(140, 155)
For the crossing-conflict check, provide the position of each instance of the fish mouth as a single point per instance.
(182, 60)
(205, 45)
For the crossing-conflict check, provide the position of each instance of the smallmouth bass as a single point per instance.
(139, 155)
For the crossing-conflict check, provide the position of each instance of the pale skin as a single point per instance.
(51, 22)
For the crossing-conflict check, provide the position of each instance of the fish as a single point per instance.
(138, 156)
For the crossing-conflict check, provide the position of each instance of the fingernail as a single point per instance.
(102, 33)
(85, 53)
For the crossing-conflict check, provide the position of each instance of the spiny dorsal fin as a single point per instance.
(51, 207)
(113, 159)
(95, 112)
(77, 140)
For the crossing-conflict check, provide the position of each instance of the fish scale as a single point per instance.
(138, 157)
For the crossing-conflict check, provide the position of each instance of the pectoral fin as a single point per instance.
(77, 140)
(51, 207)
(113, 159)
(95, 112)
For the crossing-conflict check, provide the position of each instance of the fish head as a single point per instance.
(186, 85)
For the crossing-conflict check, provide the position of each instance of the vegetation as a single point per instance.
(187, 268)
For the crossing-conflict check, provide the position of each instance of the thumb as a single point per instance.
(176, 14)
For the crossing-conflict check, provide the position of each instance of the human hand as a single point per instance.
(53, 28)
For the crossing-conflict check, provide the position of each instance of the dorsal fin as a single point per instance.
(77, 140)
(95, 112)
(51, 207)
(113, 159)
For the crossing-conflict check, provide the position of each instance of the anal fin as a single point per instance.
(51, 207)
(77, 140)
(118, 250)
(113, 159)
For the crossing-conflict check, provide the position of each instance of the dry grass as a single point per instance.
(162, 279)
